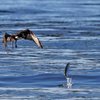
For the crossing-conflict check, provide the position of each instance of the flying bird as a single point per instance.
(26, 34)
(66, 71)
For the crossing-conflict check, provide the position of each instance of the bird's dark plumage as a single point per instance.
(26, 34)
(66, 71)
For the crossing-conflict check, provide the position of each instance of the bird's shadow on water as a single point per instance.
(11, 52)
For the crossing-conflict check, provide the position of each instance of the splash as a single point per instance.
(69, 82)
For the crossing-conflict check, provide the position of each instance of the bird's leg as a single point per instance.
(12, 44)
(15, 43)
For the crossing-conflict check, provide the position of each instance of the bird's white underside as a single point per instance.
(36, 40)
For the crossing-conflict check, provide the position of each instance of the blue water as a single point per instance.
(69, 31)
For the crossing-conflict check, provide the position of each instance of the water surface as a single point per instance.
(69, 32)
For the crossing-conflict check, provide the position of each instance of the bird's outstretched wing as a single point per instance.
(29, 35)
(36, 40)
(66, 71)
